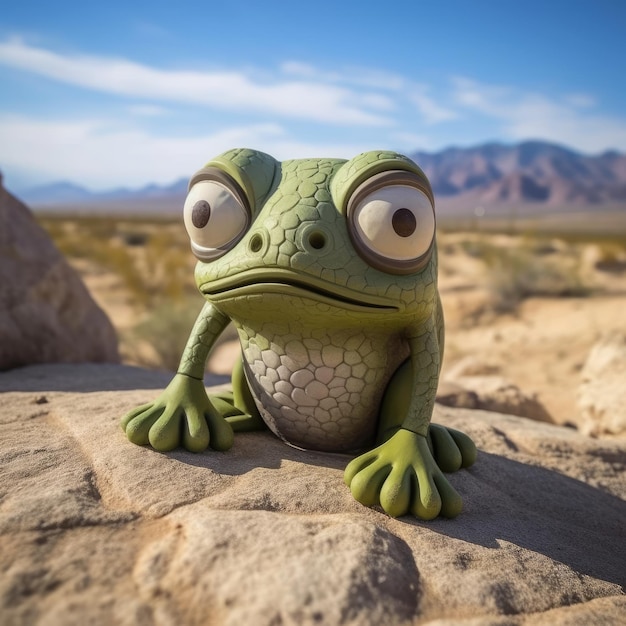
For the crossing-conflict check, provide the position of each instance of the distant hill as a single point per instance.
(532, 174)
(156, 198)
(55, 193)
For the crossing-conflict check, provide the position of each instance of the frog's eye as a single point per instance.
(216, 216)
(392, 222)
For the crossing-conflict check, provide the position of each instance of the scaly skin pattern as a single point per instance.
(318, 390)
(324, 332)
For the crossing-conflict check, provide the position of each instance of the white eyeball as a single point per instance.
(393, 225)
(215, 218)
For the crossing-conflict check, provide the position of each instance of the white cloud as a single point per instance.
(411, 141)
(361, 76)
(580, 100)
(99, 154)
(526, 115)
(480, 97)
(228, 90)
(147, 110)
(431, 111)
(399, 90)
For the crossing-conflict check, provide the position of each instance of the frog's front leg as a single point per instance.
(401, 474)
(451, 449)
(183, 413)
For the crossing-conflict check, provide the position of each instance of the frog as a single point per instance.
(327, 268)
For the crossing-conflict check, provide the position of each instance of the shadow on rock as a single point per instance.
(89, 378)
(543, 511)
(258, 450)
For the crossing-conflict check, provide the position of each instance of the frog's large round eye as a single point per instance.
(392, 222)
(215, 217)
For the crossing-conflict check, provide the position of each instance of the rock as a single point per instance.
(96, 530)
(491, 393)
(602, 393)
(46, 313)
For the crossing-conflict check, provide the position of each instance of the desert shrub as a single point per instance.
(71, 240)
(611, 257)
(515, 274)
(166, 330)
(117, 259)
(477, 247)
(168, 265)
(134, 238)
(541, 246)
(152, 257)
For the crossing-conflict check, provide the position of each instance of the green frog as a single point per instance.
(328, 270)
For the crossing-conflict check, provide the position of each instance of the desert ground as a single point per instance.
(527, 306)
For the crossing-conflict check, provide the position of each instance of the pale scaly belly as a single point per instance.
(321, 392)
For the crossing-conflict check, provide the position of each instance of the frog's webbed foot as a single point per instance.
(240, 421)
(402, 476)
(451, 449)
(181, 415)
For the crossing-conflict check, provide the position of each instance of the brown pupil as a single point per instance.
(200, 213)
(404, 222)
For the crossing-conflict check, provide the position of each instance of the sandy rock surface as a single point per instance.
(96, 530)
(46, 312)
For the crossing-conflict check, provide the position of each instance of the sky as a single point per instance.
(112, 94)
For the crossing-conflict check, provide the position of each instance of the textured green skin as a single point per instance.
(318, 366)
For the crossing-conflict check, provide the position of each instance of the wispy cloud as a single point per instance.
(581, 100)
(431, 111)
(398, 90)
(226, 90)
(147, 110)
(411, 141)
(571, 120)
(362, 76)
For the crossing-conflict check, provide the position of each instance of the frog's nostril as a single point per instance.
(256, 243)
(317, 240)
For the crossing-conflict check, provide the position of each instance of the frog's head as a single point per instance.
(329, 236)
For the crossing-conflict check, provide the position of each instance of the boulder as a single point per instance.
(46, 312)
(95, 530)
(602, 393)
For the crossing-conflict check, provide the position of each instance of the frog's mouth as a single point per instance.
(287, 283)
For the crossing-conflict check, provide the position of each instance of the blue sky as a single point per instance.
(120, 93)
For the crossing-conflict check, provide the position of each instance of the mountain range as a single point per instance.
(70, 194)
(535, 174)
(532, 172)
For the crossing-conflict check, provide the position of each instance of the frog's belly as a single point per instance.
(323, 397)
